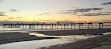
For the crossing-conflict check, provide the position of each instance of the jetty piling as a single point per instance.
(100, 25)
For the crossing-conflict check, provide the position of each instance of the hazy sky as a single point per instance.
(55, 10)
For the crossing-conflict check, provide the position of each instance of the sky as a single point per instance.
(55, 10)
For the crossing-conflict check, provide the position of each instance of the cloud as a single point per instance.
(106, 20)
(14, 18)
(66, 21)
(45, 20)
(13, 10)
(87, 9)
(2, 14)
(43, 14)
(19, 17)
(106, 3)
(75, 11)
(1, 1)
(11, 18)
(96, 14)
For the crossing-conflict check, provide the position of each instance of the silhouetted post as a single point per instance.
(52, 25)
(29, 26)
(4, 25)
(46, 26)
(58, 24)
(67, 26)
(74, 25)
(82, 25)
(41, 26)
(11, 25)
(20, 24)
(8, 26)
(34, 26)
(100, 25)
(89, 24)
(55, 26)
(37, 25)
(64, 26)
(79, 25)
(71, 24)
(25, 26)
(61, 26)
(17, 25)
(14, 25)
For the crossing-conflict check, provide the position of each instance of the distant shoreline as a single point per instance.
(75, 32)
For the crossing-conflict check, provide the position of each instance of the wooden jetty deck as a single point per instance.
(52, 25)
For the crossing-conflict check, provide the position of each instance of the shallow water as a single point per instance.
(43, 43)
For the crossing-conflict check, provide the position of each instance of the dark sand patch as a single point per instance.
(17, 37)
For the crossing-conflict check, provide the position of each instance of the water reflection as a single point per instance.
(43, 43)
(69, 37)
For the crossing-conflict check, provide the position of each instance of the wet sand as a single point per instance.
(17, 37)
(101, 42)
(75, 32)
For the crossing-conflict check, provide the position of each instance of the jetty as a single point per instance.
(57, 25)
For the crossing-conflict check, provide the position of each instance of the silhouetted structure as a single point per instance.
(58, 25)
